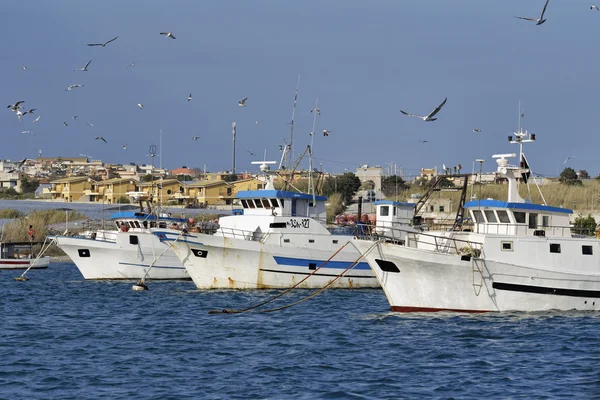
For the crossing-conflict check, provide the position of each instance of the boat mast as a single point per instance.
(290, 152)
(311, 182)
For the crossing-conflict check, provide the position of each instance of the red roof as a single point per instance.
(182, 171)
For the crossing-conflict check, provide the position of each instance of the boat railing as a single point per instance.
(532, 230)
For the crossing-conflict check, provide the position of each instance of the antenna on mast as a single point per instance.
(291, 153)
(316, 111)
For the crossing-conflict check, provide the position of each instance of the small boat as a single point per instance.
(18, 255)
(517, 256)
(127, 251)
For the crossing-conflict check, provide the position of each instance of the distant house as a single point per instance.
(43, 191)
(111, 190)
(183, 171)
(76, 188)
(209, 192)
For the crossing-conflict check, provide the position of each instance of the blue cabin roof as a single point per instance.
(143, 216)
(516, 206)
(276, 194)
(394, 203)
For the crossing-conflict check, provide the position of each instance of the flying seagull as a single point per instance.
(196, 137)
(103, 44)
(30, 111)
(19, 166)
(567, 159)
(594, 8)
(89, 123)
(317, 110)
(251, 153)
(476, 130)
(280, 147)
(125, 146)
(539, 20)
(431, 114)
(71, 87)
(132, 64)
(422, 141)
(190, 97)
(75, 116)
(141, 106)
(36, 120)
(16, 106)
(27, 132)
(24, 67)
(168, 35)
(242, 103)
(19, 114)
(65, 124)
(84, 68)
(326, 132)
(257, 122)
(101, 138)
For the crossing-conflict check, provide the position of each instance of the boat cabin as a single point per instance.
(519, 219)
(16, 250)
(282, 203)
(392, 214)
(141, 220)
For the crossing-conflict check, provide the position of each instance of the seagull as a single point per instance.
(36, 120)
(539, 20)
(326, 132)
(132, 64)
(75, 116)
(101, 138)
(251, 153)
(84, 68)
(27, 132)
(280, 147)
(317, 110)
(141, 106)
(24, 67)
(256, 122)
(190, 97)
(242, 103)
(567, 159)
(16, 106)
(422, 141)
(19, 114)
(103, 44)
(30, 111)
(71, 87)
(168, 35)
(65, 124)
(431, 114)
(125, 146)
(19, 166)
(89, 123)
(196, 137)
(594, 8)
(476, 130)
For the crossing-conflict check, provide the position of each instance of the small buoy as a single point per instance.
(139, 286)
(21, 279)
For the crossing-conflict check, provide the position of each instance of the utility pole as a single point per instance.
(233, 129)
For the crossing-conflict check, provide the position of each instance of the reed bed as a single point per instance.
(16, 231)
(10, 213)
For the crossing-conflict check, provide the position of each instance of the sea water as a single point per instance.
(63, 337)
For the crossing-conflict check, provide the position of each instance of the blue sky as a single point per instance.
(364, 61)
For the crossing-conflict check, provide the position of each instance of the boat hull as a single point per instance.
(417, 280)
(105, 260)
(17, 264)
(217, 262)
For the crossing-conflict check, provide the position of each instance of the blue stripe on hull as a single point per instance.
(302, 262)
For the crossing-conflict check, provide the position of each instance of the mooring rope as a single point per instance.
(142, 281)
(228, 311)
(41, 253)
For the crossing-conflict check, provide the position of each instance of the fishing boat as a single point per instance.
(517, 256)
(19, 255)
(126, 252)
(276, 240)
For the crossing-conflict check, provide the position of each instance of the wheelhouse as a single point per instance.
(282, 203)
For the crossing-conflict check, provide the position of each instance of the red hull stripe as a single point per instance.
(428, 309)
(14, 262)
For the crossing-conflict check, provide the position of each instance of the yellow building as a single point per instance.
(111, 190)
(163, 190)
(76, 188)
(209, 192)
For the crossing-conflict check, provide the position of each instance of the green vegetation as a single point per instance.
(585, 225)
(29, 185)
(230, 178)
(10, 213)
(11, 194)
(392, 185)
(123, 200)
(334, 206)
(569, 177)
(17, 230)
(346, 185)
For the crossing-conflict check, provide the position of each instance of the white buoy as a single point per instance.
(139, 286)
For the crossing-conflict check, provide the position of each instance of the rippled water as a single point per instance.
(63, 337)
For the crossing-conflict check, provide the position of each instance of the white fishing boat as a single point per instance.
(517, 256)
(127, 251)
(279, 239)
(19, 255)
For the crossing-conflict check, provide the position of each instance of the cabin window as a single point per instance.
(274, 203)
(137, 224)
(131, 224)
(312, 266)
(277, 225)
(335, 241)
(244, 204)
(431, 208)
(286, 240)
(478, 216)
(311, 204)
(441, 208)
(162, 224)
(394, 208)
(152, 224)
(282, 202)
(258, 203)
(83, 252)
(250, 204)
(507, 246)
(503, 216)
(533, 221)
(491, 217)
(118, 226)
(311, 240)
(587, 250)
(266, 203)
(387, 266)
(554, 247)
(546, 220)
(133, 239)
(519, 217)
(384, 211)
